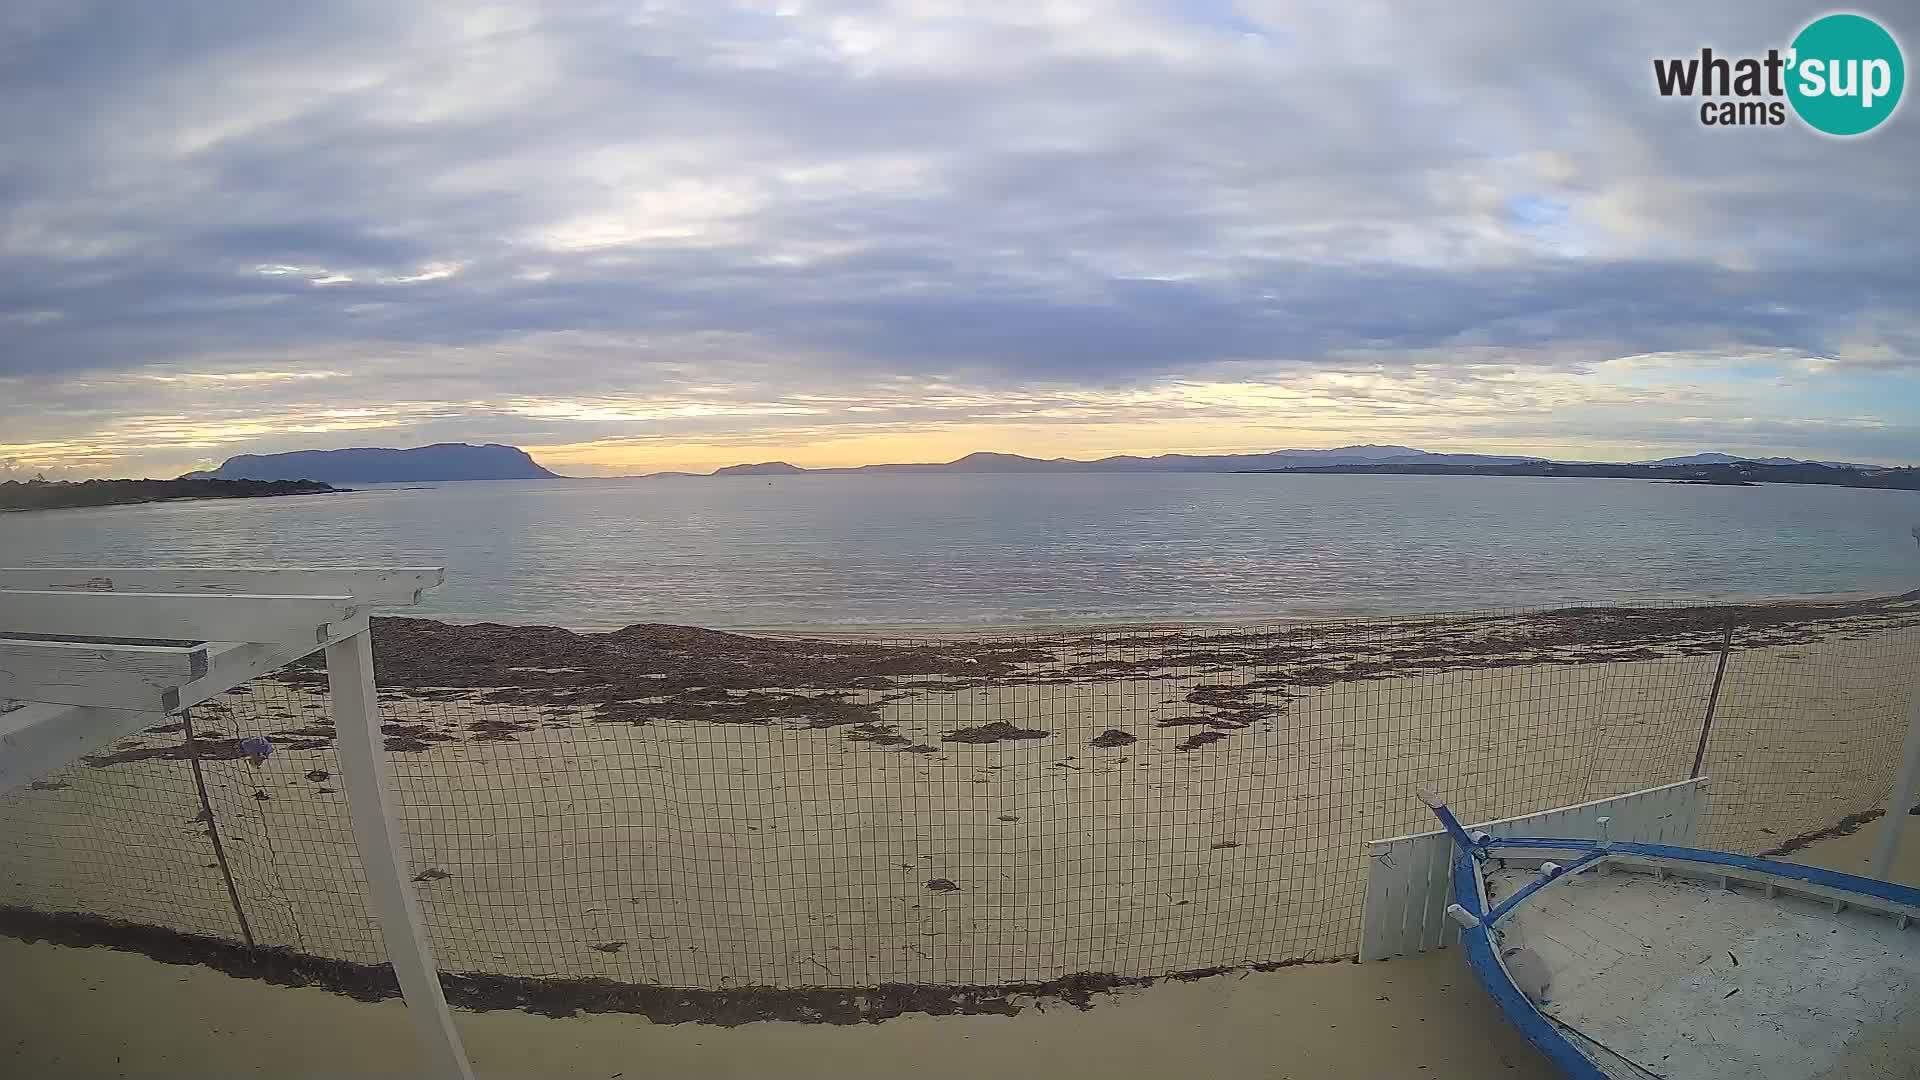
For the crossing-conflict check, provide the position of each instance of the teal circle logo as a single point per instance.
(1846, 75)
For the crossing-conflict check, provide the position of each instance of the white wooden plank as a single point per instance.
(231, 663)
(1597, 806)
(376, 830)
(1409, 877)
(169, 616)
(382, 585)
(40, 738)
(1434, 896)
(216, 667)
(1380, 932)
(140, 677)
(1383, 911)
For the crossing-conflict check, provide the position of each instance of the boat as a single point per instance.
(1632, 961)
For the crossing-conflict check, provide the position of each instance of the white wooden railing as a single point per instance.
(96, 654)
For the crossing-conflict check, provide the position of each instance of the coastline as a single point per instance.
(962, 630)
(1175, 623)
(91, 494)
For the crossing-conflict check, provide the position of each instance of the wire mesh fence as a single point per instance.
(673, 807)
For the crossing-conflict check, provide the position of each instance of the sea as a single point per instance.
(908, 551)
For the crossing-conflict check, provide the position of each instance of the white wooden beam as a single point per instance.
(362, 756)
(169, 616)
(148, 678)
(233, 663)
(43, 737)
(40, 738)
(383, 585)
(144, 677)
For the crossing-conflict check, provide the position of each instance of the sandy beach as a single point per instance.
(1009, 819)
(97, 1012)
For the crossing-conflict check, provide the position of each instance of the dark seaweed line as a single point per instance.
(558, 997)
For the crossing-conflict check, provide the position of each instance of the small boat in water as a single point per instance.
(1635, 961)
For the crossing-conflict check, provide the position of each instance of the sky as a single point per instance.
(679, 235)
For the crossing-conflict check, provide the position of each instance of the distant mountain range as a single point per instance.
(1729, 459)
(1128, 463)
(460, 461)
(1738, 473)
(374, 465)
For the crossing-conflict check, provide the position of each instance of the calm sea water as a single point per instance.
(1008, 549)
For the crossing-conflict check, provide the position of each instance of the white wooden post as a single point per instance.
(363, 765)
(1900, 804)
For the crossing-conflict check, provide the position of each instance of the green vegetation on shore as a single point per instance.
(54, 495)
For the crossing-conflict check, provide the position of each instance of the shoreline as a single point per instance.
(963, 630)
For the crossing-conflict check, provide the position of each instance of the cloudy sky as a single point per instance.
(652, 235)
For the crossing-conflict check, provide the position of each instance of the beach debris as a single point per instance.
(941, 884)
(258, 748)
(1200, 740)
(997, 731)
(1530, 974)
(317, 775)
(608, 946)
(1113, 737)
(411, 738)
(261, 796)
(878, 734)
(205, 749)
(491, 730)
(1219, 844)
(920, 748)
(1009, 817)
(432, 873)
(47, 785)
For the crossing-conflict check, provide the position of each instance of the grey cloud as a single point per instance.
(991, 198)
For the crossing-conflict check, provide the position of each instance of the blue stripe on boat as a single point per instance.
(1833, 879)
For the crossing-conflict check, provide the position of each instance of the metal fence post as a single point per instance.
(213, 826)
(363, 764)
(1713, 701)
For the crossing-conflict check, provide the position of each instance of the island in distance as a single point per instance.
(376, 465)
